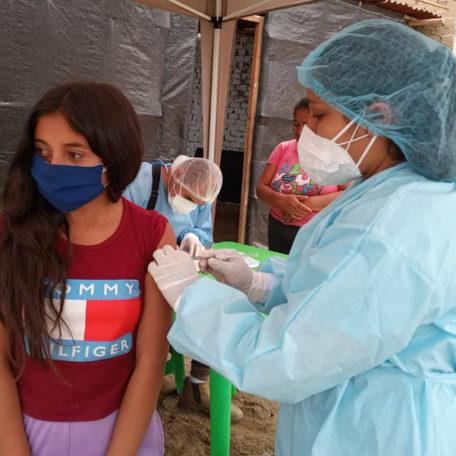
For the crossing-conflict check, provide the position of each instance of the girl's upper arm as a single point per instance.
(168, 238)
(152, 345)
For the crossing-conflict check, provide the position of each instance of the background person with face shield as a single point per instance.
(360, 342)
(186, 191)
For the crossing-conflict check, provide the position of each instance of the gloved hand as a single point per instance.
(191, 244)
(172, 270)
(228, 267)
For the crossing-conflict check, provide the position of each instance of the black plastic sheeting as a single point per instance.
(178, 85)
(149, 54)
(289, 36)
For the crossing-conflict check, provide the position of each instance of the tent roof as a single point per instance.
(231, 9)
(234, 9)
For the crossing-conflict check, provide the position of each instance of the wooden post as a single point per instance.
(251, 113)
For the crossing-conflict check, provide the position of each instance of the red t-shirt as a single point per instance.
(96, 355)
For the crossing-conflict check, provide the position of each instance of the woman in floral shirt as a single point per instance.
(294, 198)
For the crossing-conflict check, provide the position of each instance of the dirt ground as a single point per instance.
(187, 432)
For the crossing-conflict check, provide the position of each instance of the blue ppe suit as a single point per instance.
(359, 345)
(199, 221)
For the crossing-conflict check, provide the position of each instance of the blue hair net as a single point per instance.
(395, 82)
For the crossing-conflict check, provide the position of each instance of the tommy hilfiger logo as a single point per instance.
(83, 351)
(100, 289)
(100, 317)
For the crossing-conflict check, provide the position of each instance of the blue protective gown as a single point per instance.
(359, 345)
(199, 221)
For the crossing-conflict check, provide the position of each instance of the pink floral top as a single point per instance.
(290, 178)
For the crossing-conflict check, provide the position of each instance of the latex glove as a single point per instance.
(191, 244)
(173, 271)
(228, 267)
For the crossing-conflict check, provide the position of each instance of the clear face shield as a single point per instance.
(193, 182)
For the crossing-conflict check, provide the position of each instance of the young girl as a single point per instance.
(82, 329)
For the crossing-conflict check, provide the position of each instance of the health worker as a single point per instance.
(355, 334)
(184, 192)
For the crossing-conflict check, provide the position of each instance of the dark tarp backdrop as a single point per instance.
(148, 54)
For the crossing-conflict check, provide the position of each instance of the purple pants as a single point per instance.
(89, 438)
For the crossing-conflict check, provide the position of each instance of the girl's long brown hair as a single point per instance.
(31, 266)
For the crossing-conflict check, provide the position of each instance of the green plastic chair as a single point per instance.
(175, 366)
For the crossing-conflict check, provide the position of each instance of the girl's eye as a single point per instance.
(74, 155)
(42, 152)
(317, 116)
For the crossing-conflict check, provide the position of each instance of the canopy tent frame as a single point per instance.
(218, 20)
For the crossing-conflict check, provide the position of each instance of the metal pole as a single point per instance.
(214, 84)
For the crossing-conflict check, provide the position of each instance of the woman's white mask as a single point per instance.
(178, 203)
(181, 205)
(325, 161)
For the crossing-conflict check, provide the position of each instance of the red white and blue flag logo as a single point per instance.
(100, 317)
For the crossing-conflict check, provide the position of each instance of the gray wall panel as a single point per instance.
(148, 54)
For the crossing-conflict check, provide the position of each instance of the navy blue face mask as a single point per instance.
(67, 187)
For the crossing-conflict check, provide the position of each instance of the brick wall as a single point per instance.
(236, 112)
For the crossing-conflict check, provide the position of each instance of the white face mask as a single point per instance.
(181, 205)
(325, 161)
